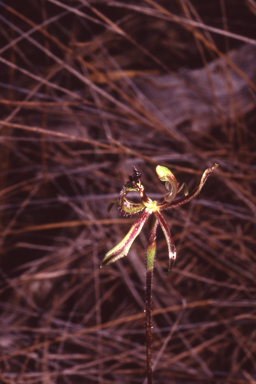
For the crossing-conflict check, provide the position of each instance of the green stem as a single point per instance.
(148, 325)
(151, 251)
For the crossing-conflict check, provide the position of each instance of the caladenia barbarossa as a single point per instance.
(150, 209)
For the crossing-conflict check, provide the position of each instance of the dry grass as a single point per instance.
(89, 89)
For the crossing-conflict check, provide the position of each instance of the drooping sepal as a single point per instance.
(122, 249)
(168, 238)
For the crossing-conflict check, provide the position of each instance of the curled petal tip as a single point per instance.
(160, 171)
(163, 173)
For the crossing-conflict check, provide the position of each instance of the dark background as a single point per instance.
(88, 89)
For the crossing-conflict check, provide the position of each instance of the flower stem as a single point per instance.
(151, 251)
(148, 324)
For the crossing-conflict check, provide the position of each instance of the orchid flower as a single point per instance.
(148, 207)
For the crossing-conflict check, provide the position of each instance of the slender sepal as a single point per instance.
(185, 187)
(122, 249)
(168, 237)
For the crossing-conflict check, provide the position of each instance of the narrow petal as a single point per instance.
(192, 194)
(169, 240)
(183, 186)
(122, 249)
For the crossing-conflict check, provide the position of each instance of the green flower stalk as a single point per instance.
(150, 209)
